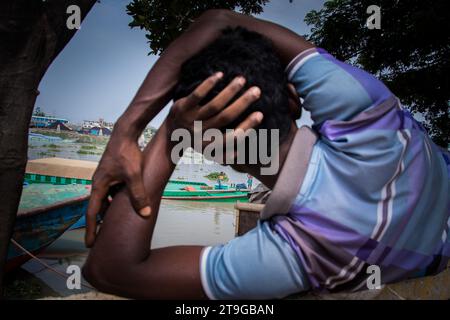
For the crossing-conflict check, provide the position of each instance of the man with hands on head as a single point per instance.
(229, 98)
(122, 160)
(353, 191)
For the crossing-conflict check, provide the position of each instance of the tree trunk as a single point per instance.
(32, 34)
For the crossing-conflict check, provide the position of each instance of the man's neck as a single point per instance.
(270, 180)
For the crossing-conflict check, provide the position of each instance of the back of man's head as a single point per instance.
(239, 52)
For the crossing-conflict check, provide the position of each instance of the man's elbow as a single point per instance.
(99, 274)
(92, 273)
(221, 16)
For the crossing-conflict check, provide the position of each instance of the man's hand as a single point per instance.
(216, 113)
(120, 163)
(121, 261)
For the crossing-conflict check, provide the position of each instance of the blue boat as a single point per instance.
(81, 223)
(46, 211)
(43, 137)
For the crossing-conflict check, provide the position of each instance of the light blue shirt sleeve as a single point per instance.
(331, 89)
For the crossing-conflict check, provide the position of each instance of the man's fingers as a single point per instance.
(240, 133)
(98, 194)
(105, 205)
(138, 196)
(202, 90)
(252, 121)
(221, 100)
(234, 110)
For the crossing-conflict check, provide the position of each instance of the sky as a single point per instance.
(99, 71)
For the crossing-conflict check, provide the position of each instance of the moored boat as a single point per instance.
(200, 191)
(59, 171)
(45, 212)
(68, 171)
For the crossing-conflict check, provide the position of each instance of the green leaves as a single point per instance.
(164, 20)
(410, 52)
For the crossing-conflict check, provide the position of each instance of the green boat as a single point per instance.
(200, 191)
(175, 189)
(60, 171)
(45, 212)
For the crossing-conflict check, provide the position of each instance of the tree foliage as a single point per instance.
(410, 52)
(32, 34)
(167, 19)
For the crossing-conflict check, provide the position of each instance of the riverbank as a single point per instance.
(179, 223)
(47, 143)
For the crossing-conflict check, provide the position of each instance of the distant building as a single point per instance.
(87, 124)
(97, 127)
(45, 121)
(59, 126)
(99, 131)
(39, 112)
(106, 124)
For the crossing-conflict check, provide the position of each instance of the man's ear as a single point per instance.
(294, 103)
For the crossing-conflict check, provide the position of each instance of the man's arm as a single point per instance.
(121, 161)
(121, 261)
(154, 92)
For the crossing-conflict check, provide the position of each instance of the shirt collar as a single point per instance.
(292, 174)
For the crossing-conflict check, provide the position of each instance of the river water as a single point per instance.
(179, 222)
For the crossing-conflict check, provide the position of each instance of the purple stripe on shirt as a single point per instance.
(366, 250)
(332, 229)
(388, 117)
(314, 281)
(385, 256)
(361, 246)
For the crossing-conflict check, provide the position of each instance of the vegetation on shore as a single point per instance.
(72, 135)
(81, 144)
(214, 176)
(21, 284)
(90, 149)
(51, 146)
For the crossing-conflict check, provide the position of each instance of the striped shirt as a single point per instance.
(364, 186)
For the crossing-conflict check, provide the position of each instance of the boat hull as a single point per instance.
(38, 228)
(212, 198)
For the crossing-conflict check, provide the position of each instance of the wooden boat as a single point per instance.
(247, 215)
(68, 171)
(59, 171)
(45, 212)
(425, 288)
(199, 191)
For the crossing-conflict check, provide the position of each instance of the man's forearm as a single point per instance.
(115, 234)
(155, 91)
(121, 261)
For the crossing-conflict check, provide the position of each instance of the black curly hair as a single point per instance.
(239, 51)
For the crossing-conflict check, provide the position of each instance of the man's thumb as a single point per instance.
(139, 199)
